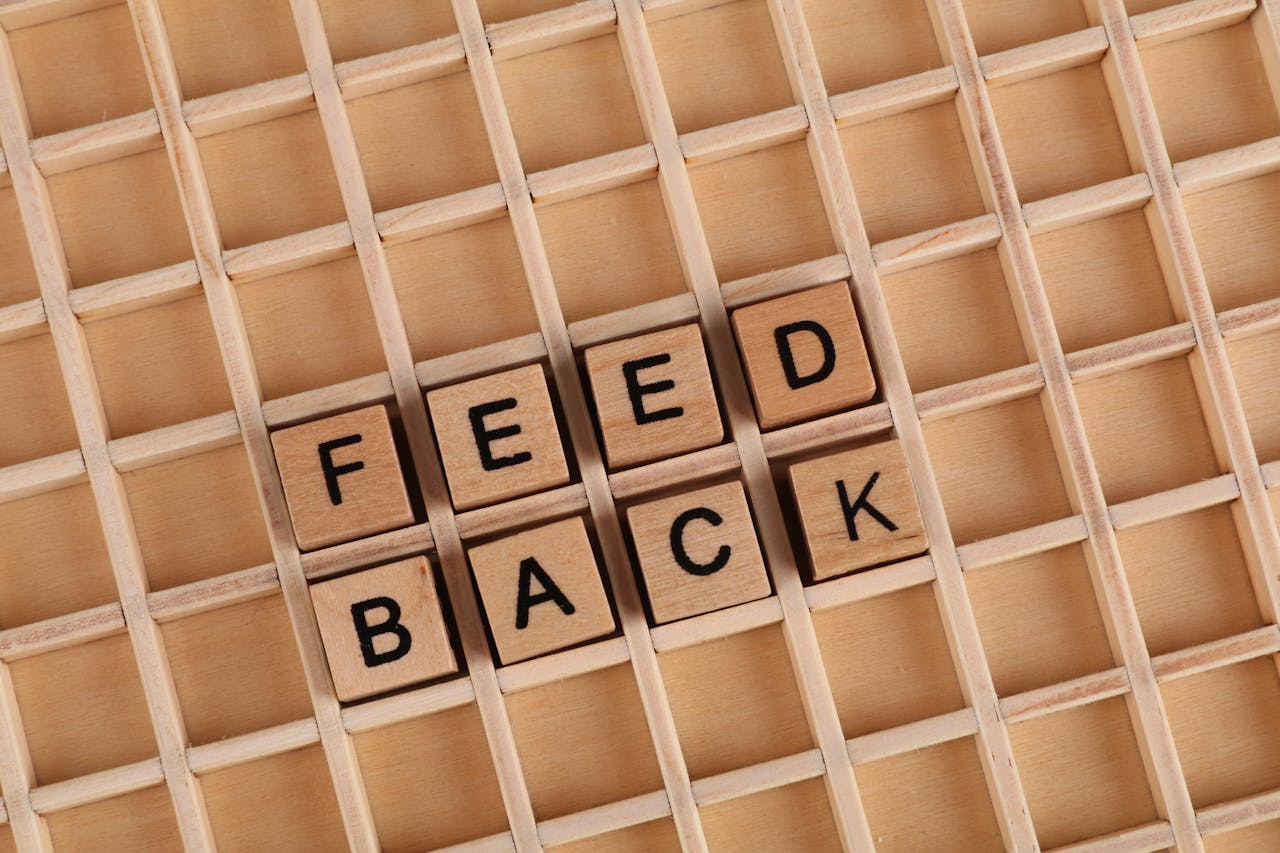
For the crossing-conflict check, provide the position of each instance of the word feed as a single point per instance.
(541, 589)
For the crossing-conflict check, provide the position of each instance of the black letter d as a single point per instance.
(782, 338)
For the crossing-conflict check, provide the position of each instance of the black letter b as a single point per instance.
(391, 625)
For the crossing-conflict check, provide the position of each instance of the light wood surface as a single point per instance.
(1055, 220)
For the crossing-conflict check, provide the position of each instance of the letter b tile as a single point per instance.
(382, 629)
(858, 509)
(804, 354)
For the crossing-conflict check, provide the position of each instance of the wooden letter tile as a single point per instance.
(698, 552)
(383, 629)
(498, 437)
(858, 509)
(654, 396)
(342, 478)
(541, 590)
(804, 354)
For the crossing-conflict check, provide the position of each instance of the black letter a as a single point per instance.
(782, 338)
(851, 510)
(366, 632)
(529, 569)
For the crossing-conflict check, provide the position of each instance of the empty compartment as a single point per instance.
(888, 661)
(234, 43)
(271, 179)
(1210, 92)
(17, 274)
(310, 328)
(583, 742)
(284, 802)
(582, 86)
(1237, 233)
(431, 781)
(762, 211)
(354, 33)
(1189, 580)
(158, 366)
(35, 417)
(461, 289)
(83, 709)
(1103, 280)
(1003, 24)
(421, 141)
(793, 817)
(80, 70)
(735, 702)
(611, 250)
(865, 42)
(1258, 838)
(1039, 620)
(930, 799)
(53, 558)
(720, 64)
(1060, 132)
(963, 302)
(138, 820)
(1082, 772)
(1255, 361)
(119, 218)
(997, 469)
(642, 838)
(237, 669)
(911, 171)
(1223, 724)
(1146, 430)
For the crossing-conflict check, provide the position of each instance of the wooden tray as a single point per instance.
(1061, 225)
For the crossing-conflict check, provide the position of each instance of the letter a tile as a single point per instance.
(804, 354)
(858, 509)
(383, 629)
(341, 478)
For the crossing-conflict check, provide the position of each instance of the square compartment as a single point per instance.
(446, 753)
(866, 42)
(794, 817)
(999, 25)
(158, 366)
(1210, 92)
(80, 70)
(1235, 228)
(354, 33)
(83, 709)
(619, 235)
(35, 417)
(1255, 361)
(1039, 620)
(421, 141)
(1104, 281)
(237, 669)
(1189, 580)
(762, 211)
(462, 289)
(912, 171)
(583, 86)
(1223, 724)
(53, 558)
(931, 799)
(230, 44)
(271, 179)
(720, 64)
(1082, 772)
(888, 661)
(311, 328)
(285, 802)
(120, 218)
(197, 517)
(18, 281)
(997, 470)
(641, 838)
(1060, 132)
(138, 820)
(735, 702)
(1136, 416)
(963, 301)
(583, 742)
